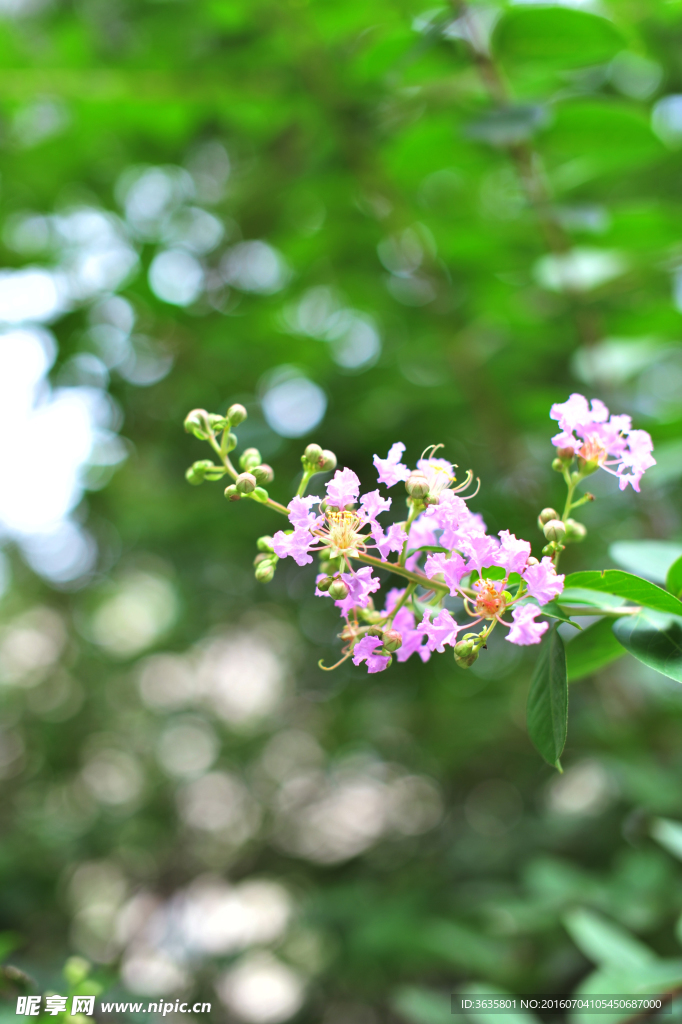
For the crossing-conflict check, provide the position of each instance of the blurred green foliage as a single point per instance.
(495, 191)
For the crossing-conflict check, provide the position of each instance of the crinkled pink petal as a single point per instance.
(513, 553)
(299, 514)
(481, 551)
(364, 651)
(391, 469)
(295, 545)
(452, 567)
(343, 488)
(372, 505)
(542, 581)
(442, 630)
(524, 630)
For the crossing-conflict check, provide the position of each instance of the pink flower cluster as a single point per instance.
(349, 529)
(607, 440)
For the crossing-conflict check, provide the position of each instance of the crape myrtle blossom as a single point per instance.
(602, 440)
(458, 581)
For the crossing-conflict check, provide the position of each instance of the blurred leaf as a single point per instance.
(594, 648)
(654, 639)
(673, 580)
(607, 137)
(547, 708)
(8, 942)
(464, 947)
(654, 978)
(669, 834)
(624, 584)
(555, 35)
(648, 558)
(554, 611)
(508, 126)
(606, 943)
(422, 1006)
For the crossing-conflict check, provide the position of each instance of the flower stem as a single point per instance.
(414, 577)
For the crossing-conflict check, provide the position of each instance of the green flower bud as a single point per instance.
(236, 414)
(264, 474)
(546, 515)
(265, 543)
(249, 458)
(550, 548)
(587, 466)
(265, 571)
(197, 423)
(325, 584)
(575, 531)
(217, 422)
(466, 653)
(246, 483)
(196, 474)
(392, 640)
(231, 442)
(313, 455)
(260, 494)
(231, 493)
(554, 530)
(338, 590)
(262, 557)
(417, 485)
(328, 462)
(565, 454)
(557, 465)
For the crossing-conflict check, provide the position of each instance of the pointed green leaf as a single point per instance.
(593, 598)
(648, 558)
(669, 834)
(606, 943)
(624, 584)
(673, 580)
(594, 648)
(547, 708)
(554, 611)
(655, 639)
(555, 35)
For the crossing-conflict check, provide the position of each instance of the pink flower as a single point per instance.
(360, 585)
(372, 505)
(610, 442)
(524, 630)
(299, 514)
(392, 540)
(364, 651)
(542, 581)
(296, 545)
(482, 551)
(443, 630)
(421, 535)
(439, 472)
(343, 488)
(513, 553)
(413, 643)
(452, 568)
(391, 469)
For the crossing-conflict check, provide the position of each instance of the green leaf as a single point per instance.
(606, 943)
(594, 648)
(422, 1006)
(592, 598)
(555, 35)
(547, 708)
(648, 558)
(624, 584)
(654, 639)
(673, 580)
(669, 834)
(553, 611)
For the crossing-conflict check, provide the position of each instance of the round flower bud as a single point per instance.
(197, 423)
(557, 465)
(466, 653)
(231, 493)
(217, 422)
(546, 515)
(264, 474)
(236, 414)
(193, 477)
(246, 482)
(565, 454)
(554, 530)
(575, 531)
(338, 590)
(416, 485)
(392, 639)
(231, 442)
(325, 584)
(265, 571)
(249, 458)
(313, 455)
(262, 557)
(328, 462)
(265, 543)
(260, 494)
